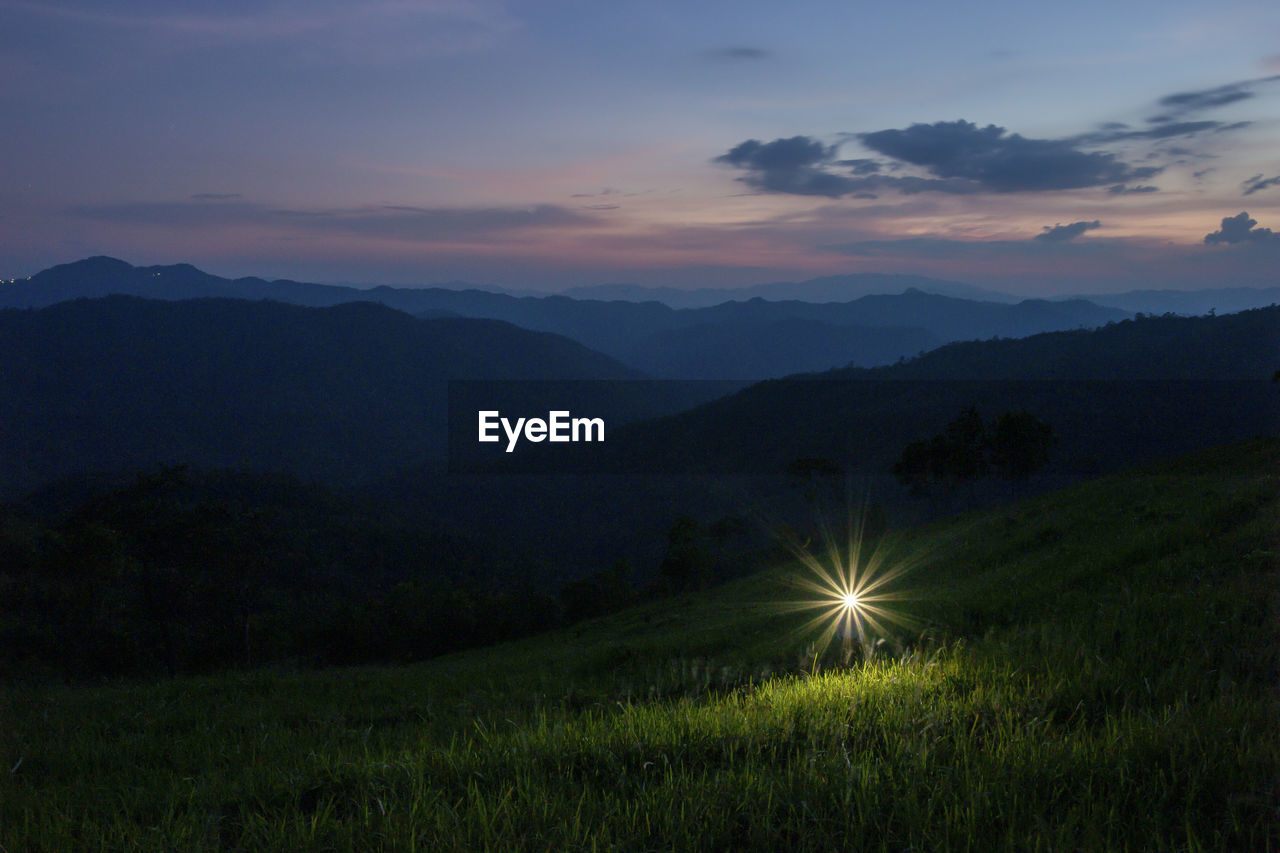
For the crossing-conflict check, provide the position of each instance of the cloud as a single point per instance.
(1117, 132)
(1122, 189)
(1256, 183)
(792, 165)
(861, 166)
(999, 161)
(1241, 229)
(1179, 117)
(796, 152)
(385, 221)
(739, 53)
(215, 196)
(799, 166)
(1066, 233)
(959, 157)
(1218, 96)
(1178, 128)
(1180, 104)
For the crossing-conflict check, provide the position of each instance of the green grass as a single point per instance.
(1094, 669)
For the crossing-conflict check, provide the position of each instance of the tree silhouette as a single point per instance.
(964, 448)
(915, 468)
(686, 557)
(1013, 445)
(1019, 444)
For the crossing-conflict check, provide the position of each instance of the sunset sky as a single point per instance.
(1033, 148)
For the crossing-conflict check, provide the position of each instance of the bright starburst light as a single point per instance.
(851, 584)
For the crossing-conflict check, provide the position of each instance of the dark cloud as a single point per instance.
(997, 160)
(802, 181)
(215, 196)
(961, 157)
(792, 165)
(1242, 228)
(1257, 182)
(796, 152)
(1179, 118)
(861, 166)
(1218, 96)
(392, 221)
(740, 53)
(800, 165)
(1122, 189)
(1163, 131)
(1179, 104)
(1066, 233)
(1180, 128)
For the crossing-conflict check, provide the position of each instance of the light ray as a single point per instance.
(852, 584)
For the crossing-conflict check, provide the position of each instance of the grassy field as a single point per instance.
(1094, 669)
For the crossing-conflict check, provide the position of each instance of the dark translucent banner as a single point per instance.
(822, 427)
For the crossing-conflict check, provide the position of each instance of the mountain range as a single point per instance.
(1116, 396)
(831, 288)
(343, 393)
(844, 288)
(752, 339)
(357, 396)
(1223, 300)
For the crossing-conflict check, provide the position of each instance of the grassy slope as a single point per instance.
(1100, 673)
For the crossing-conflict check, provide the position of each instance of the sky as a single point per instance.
(1039, 149)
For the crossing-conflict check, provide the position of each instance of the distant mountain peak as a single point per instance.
(917, 293)
(822, 290)
(96, 265)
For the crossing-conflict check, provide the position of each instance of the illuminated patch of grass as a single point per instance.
(1099, 672)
